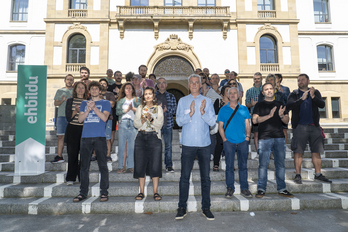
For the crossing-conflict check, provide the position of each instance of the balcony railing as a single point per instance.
(172, 11)
(73, 68)
(269, 67)
(267, 14)
(77, 13)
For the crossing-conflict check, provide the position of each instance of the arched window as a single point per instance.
(321, 11)
(324, 54)
(77, 49)
(78, 4)
(16, 56)
(265, 4)
(268, 50)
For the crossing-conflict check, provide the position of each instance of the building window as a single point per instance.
(321, 11)
(206, 2)
(324, 54)
(20, 10)
(335, 104)
(172, 2)
(78, 4)
(77, 49)
(268, 50)
(16, 56)
(6, 101)
(265, 5)
(139, 2)
(322, 111)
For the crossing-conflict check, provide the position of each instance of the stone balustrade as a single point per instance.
(74, 68)
(81, 13)
(267, 14)
(269, 67)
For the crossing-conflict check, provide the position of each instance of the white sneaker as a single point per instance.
(70, 183)
(211, 157)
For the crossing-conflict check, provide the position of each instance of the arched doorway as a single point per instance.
(173, 68)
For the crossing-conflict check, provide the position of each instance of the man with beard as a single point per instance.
(109, 77)
(145, 81)
(84, 75)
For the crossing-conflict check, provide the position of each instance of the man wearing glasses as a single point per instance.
(224, 81)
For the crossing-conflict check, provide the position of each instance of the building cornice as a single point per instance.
(322, 32)
(272, 21)
(40, 32)
(74, 20)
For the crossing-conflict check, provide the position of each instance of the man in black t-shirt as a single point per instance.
(270, 114)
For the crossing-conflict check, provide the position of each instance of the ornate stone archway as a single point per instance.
(173, 47)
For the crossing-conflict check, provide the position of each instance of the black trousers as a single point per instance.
(73, 137)
(218, 149)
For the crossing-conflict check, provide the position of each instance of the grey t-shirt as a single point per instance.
(161, 98)
(62, 92)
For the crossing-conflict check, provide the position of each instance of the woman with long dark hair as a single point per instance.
(74, 130)
(148, 145)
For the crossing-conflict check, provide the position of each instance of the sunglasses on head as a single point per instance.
(227, 71)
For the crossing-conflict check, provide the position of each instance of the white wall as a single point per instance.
(230, 3)
(137, 46)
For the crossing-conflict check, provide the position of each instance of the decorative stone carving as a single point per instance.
(173, 43)
(77, 26)
(268, 26)
(173, 67)
(121, 27)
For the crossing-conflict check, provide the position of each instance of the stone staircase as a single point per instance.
(48, 194)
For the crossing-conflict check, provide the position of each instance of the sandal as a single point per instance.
(216, 168)
(157, 197)
(129, 170)
(120, 170)
(104, 198)
(79, 198)
(139, 197)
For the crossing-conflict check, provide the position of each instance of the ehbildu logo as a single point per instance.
(31, 100)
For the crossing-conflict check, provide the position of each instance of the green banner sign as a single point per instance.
(30, 120)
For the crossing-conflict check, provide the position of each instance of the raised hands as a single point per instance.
(204, 102)
(192, 108)
(305, 94)
(281, 111)
(272, 112)
(311, 91)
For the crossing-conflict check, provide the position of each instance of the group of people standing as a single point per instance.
(213, 122)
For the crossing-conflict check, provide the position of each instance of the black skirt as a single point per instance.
(147, 155)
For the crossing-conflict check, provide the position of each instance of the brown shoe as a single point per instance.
(104, 198)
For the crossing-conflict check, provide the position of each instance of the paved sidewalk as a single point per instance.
(304, 220)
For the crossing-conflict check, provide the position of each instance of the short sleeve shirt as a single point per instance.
(93, 126)
(235, 132)
(110, 97)
(62, 92)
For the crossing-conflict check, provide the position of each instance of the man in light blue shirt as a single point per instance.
(195, 113)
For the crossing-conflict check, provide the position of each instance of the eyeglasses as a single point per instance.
(233, 83)
(227, 71)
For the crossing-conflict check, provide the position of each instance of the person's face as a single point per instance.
(194, 85)
(80, 89)
(226, 91)
(278, 81)
(257, 80)
(206, 71)
(148, 95)
(143, 71)
(215, 80)
(94, 90)
(233, 95)
(136, 81)
(128, 90)
(233, 83)
(162, 85)
(232, 76)
(227, 73)
(302, 82)
(271, 81)
(118, 77)
(203, 80)
(153, 79)
(69, 81)
(268, 91)
(104, 85)
(109, 73)
(197, 71)
(84, 75)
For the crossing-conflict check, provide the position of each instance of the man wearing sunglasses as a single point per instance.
(224, 81)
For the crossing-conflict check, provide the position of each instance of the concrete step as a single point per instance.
(64, 205)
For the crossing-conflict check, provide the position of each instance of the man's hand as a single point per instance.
(272, 112)
(204, 102)
(192, 108)
(281, 111)
(253, 103)
(91, 104)
(63, 98)
(165, 109)
(305, 94)
(311, 91)
(117, 90)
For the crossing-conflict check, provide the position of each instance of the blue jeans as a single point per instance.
(242, 154)
(277, 145)
(187, 158)
(61, 125)
(126, 134)
(167, 137)
(86, 150)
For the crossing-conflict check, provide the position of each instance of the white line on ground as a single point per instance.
(310, 173)
(139, 204)
(33, 206)
(326, 188)
(295, 203)
(244, 203)
(2, 189)
(191, 202)
(86, 205)
(48, 190)
(270, 174)
(60, 177)
(344, 199)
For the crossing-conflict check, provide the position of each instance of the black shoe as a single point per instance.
(260, 194)
(181, 214)
(321, 177)
(229, 193)
(169, 169)
(298, 179)
(246, 193)
(108, 159)
(286, 193)
(208, 214)
(57, 159)
(93, 158)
